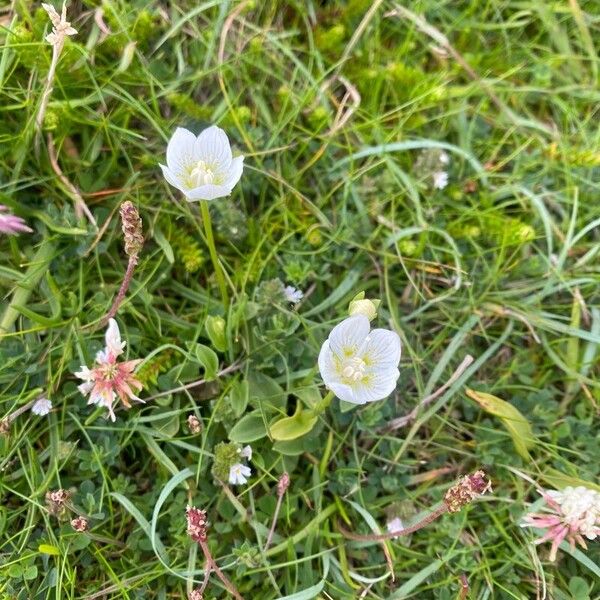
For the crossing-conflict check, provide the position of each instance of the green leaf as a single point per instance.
(290, 428)
(48, 549)
(239, 396)
(265, 392)
(208, 359)
(15, 571)
(517, 425)
(30, 573)
(559, 480)
(249, 428)
(215, 330)
(165, 246)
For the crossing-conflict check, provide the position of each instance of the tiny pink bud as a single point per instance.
(80, 524)
(283, 484)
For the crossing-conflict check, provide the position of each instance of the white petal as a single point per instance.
(85, 374)
(344, 392)
(381, 349)
(180, 151)
(212, 146)
(347, 337)
(114, 345)
(235, 172)
(86, 388)
(376, 386)
(207, 192)
(42, 407)
(170, 177)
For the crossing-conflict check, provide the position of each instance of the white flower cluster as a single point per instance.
(580, 507)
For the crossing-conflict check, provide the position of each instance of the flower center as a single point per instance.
(203, 174)
(109, 371)
(354, 369)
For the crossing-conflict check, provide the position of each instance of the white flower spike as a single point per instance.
(202, 167)
(42, 407)
(395, 525)
(238, 474)
(359, 366)
(60, 26)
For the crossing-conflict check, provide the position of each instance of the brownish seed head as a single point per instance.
(4, 426)
(196, 595)
(196, 523)
(56, 501)
(466, 490)
(283, 484)
(194, 424)
(80, 524)
(132, 229)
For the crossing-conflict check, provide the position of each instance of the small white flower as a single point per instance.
(440, 180)
(61, 27)
(42, 407)
(238, 474)
(246, 452)
(395, 525)
(292, 294)
(444, 158)
(359, 366)
(202, 167)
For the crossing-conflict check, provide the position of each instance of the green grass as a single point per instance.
(502, 264)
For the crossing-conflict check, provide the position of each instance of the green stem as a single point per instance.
(321, 406)
(210, 240)
(37, 267)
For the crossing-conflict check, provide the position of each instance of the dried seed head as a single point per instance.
(80, 524)
(5, 426)
(283, 484)
(56, 501)
(466, 490)
(196, 523)
(132, 229)
(194, 424)
(196, 595)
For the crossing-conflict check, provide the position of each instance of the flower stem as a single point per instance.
(133, 261)
(210, 240)
(211, 565)
(322, 405)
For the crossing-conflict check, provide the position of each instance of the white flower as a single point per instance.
(61, 27)
(444, 158)
(238, 474)
(292, 294)
(202, 167)
(42, 407)
(395, 525)
(440, 180)
(359, 366)
(246, 452)
(581, 506)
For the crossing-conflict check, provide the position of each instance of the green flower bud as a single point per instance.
(359, 305)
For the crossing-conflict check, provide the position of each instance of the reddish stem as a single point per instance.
(212, 565)
(131, 265)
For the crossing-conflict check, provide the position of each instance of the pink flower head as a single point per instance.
(196, 523)
(110, 378)
(11, 224)
(571, 514)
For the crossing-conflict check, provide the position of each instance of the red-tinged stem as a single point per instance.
(131, 265)
(212, 565)
(275, 517)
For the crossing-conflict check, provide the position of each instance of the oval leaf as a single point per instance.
(290, 428)
(248, 429)
(517, 425)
